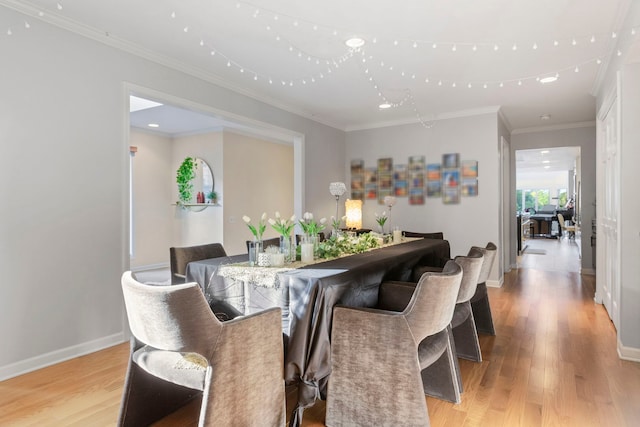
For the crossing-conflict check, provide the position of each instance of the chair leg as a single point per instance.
(442, 379)
(482, 311)
(466, 340)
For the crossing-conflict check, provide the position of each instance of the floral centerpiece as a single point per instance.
(258, 230)
(284, 227)
(310, 226)
(336, 223)
(381, 220)
(341, 245)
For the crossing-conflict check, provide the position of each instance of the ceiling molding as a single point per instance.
(442, 116)
(561, 126)
(134, 49)
(620, 19)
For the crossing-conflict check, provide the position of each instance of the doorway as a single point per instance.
(548, 185)
(177, 125)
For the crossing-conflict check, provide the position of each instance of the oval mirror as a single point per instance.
(203, 181)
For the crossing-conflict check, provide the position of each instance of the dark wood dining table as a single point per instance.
(307, 296)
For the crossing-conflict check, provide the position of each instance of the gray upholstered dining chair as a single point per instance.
(381, 358)
(480, 300)
(275, 241)
(180, 351)
(179, 257)
(463, 325)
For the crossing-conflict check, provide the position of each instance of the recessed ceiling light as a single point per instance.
(545, 117)
(153, 125)
(355, 42)
(544, 152)
(549, 79)
(547, 167)
(384, 106)
(546, 161)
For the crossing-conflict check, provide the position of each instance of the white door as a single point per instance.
(607, 232)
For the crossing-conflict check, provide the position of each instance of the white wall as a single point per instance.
(627, 65)
(263, 170)
(630, 210)
(64, 133)
(472, 222)
(583, 137)
(152, 198)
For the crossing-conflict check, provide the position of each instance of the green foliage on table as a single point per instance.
(341, 245)
(184, 177)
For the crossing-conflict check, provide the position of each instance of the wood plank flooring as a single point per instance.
(552, 363)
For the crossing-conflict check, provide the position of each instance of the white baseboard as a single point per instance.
(495, 283)
(628, 353)
(57, 356)
(588, 271)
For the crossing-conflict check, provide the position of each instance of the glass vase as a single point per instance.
(287, 249)
(306, 249)
(255, 248)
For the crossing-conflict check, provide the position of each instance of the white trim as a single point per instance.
(588, 271)
(561, 126)
(495, 283)
(628, 353)
(505, 121)
(48, 359)
(442, 116)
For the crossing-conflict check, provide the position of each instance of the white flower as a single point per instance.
(264, 217)
(293, 218)
(323, 220)
(308, 216)
(246, 219)
(277, 215)
(272, 221)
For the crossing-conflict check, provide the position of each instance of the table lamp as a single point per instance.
(353, 210)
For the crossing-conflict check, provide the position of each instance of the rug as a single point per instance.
(533, 251)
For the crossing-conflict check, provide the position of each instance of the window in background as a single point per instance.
(532, 199)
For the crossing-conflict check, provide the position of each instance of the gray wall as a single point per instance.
(64, 184)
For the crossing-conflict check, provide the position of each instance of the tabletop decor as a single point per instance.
(381, 220)
(255, 247)
(184, 177)
(311, 228)
(336, 224)
(259, 230)
(337, 189)
(353, 210)
(284, 227)
(341, 245)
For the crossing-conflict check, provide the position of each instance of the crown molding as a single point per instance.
(621, 16)
(110, 40)
(438, 117)
(560, 126)
(504, 119)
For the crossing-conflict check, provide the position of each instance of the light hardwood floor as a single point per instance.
(552, 363)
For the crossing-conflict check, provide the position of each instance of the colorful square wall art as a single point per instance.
(416, 164)
(469, 169)
(371, 183)
(385, 165)
(357, 179)
(416, 196)
(451, 160)
(400, 181)
(469, 186)
(433, 172)
(434, 188)
(450, 186)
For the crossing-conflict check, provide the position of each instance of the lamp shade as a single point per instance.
(353, 210)
(337, 189)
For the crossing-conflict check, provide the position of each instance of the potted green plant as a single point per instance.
(213, 196)
(184, 177)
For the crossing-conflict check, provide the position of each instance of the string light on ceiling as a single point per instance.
(277, 23)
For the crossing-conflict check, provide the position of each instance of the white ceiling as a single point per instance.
(291, 53)
(546, 160)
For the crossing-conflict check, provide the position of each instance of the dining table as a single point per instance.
(307, 293)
